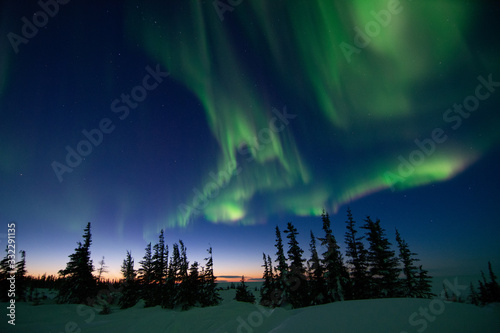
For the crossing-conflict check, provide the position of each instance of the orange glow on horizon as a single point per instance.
(115, 274)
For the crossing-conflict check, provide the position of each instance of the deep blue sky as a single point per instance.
(353, 116)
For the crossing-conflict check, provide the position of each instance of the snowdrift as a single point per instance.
(380, 315)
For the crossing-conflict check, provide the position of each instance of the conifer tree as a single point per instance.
(243, 294)
(102, 269)
(318, 291)
(21, 282)
(357, 259)
(336, 275)
(271, 271)
(171, 290)
(160, 269)
(267, 285)
(489, 292)
(424, 286)
(384, 271)
(193, 287)
(174, 273)
(210, 295)
(410, 285)
(297, 281)
(175, 262)
(493, 287)
(160, 262)
(146, 275)
(5, 272)
(275, 293)
(166, 291)
(183, 288)
(79, 284)
(281, 293)
(184, 263)
(129, 294)
(473, 296)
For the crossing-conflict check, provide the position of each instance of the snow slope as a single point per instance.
(381, 315)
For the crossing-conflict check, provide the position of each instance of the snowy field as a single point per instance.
(381, 315)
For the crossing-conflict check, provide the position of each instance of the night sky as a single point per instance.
(216, 124)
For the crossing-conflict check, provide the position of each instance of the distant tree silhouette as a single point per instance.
(494, 288)
(336, 275)
(102, 269)
(146, 276)
(318, 291)
(79, 283)
(357, 259)
(473, 296)
(43, 281)
(410, 283)
(243, 294)
(489, 292)
(297, 281)
(21, 278)
(129, 294)
(384, 271)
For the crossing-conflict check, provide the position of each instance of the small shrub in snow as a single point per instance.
(243, 294)
(105, 309)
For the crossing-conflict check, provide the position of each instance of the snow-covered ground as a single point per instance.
(381, 315)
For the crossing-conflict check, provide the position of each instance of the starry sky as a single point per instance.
(217, 120)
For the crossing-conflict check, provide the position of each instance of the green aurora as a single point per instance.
(380, 95)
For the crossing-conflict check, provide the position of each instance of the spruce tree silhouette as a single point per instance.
(5, 272)
(356, 259)
(384, 271)
(129, 294)
(210, 295)
(146, 274)
(159, 262)
(336, 274)
(193, 287)
(79, 285)
(281, 282)
(409, 285)
(489, 292)
(297, 282)
(243, 294)
(266, 291)
(318, 290)
(21, 279)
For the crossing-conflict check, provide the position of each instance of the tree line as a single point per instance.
(168, 281)
(489, 292)
(371, 269)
